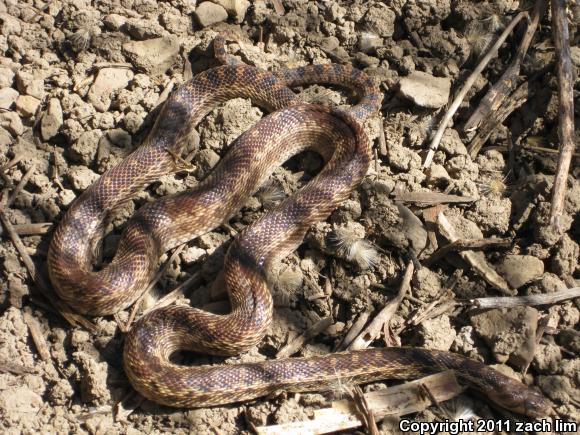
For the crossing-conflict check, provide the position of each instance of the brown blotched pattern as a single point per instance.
(164, 224)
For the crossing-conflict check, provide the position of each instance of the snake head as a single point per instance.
(517, 397)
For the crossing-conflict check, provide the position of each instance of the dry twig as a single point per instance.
(354, 330)
(475, 259)
(365, 412)
(530, 300)
(373, 330)
(431, 197)
(398, 400)
(566, 112)
(464, 244)
(296, 344)
(467, 85)
(37, 337)
(497, 94)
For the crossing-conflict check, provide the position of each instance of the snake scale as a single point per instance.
(291, 126)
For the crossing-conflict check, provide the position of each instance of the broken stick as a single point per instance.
(566, 113)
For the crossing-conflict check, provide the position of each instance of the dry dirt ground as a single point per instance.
(80, 83)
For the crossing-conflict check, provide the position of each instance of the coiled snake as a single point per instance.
(159, 226)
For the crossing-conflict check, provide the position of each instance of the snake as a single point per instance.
(290, 127)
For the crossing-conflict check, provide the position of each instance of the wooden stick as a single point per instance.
(497, 94)
(296, 344)
(465, 244)
(19, 186)
(467, 85)
(15, 368)
(373, 331)
(398, 400)
(354, 331)
(37, 337)
(520, 301)
(431, 197)
(278, 7)
(31, 229)
(566, 112)
(362, 405)
(475, 259)
(497, 117)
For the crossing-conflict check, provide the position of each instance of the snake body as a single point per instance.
(159, 226)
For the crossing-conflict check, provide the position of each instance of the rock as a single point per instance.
(208, 13)
(8, 97)
(93, 379)
(452, 144)
(5, 138)
(9, 25)
(153, 55)
(141, 29)
(6, 77)
(51, 119)
(207, 159)
(108, 80)
(365, 60)
(437, 175)
(380, 20)
(191, 254)
(11, 122)
(520, 269)
(27, 84)
(114, 22)
(426, 284)
(565, 260)
(368, 42)
(437, 333)
(19, 400)
(510, 333)
(85, 148)
(425, 90)
(27, 105)
(81, 177)
(235, 8)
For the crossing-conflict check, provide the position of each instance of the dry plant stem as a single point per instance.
(354, 331)
(296, 344)
(531, 300)
(278, 7)
(373, 330)
(475, 259)
(431, 198)
(396, 400)
(365, 411)
(14, 368)
(21, 184)
(566, 112)
(31, 229)
(499, 115)
(467, 85)
(63, 309)
(464, 244)
(128, 405)
(506, 84)
(37, 337)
